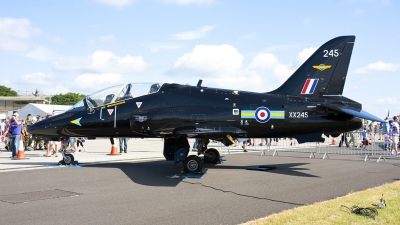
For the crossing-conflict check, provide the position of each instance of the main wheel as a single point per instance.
(192, 164)
(68, 159)
(211, 155)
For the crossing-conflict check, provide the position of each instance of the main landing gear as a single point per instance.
(192, 163)
(211, 155)
(177, 149)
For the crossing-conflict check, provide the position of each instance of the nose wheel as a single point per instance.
(67, 159)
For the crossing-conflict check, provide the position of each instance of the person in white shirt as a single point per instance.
(394, 134)
(2, 127)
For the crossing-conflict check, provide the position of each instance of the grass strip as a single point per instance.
(330, 212)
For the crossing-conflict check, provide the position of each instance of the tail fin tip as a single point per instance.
(323, 73)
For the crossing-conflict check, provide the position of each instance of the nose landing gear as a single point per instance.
(67, 159)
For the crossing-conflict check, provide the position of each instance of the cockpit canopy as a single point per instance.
(117, 93)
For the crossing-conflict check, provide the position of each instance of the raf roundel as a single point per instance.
(262, 114)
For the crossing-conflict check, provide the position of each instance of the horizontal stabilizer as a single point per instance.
(363, 114)
(354, 112)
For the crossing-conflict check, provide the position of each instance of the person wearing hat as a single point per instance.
(27, 137)
(48, 115)
(15, 127)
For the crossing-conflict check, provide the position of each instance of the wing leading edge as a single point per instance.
(207, 132)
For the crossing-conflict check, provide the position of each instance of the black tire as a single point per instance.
(192, 164)
(211, 155)
(68, 159)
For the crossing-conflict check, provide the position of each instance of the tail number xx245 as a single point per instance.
(299, 115)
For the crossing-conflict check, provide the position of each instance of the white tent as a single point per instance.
(41, 110)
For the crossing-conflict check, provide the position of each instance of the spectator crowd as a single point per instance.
(12, 129)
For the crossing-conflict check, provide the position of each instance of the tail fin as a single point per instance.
(324, 73)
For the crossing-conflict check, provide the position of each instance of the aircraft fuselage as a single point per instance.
(200, 110)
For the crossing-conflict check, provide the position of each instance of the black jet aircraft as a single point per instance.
(307, 105)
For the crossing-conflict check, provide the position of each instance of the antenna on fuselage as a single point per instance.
(199, 83)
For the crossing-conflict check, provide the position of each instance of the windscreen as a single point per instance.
(119, 93)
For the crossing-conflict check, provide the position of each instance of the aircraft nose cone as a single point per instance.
(35, 128)
(42, 128)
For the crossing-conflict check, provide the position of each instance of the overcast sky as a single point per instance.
(85, 45)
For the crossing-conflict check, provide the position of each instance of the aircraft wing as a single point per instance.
(207, 132)
(361, 114)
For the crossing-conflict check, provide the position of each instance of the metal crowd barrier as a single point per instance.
(352, 144)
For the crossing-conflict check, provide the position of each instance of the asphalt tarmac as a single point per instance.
(136, 188)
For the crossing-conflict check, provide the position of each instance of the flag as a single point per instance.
(309, 86)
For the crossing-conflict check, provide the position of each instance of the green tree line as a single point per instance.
(66, 99)
(6, 91)
(60, 99)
